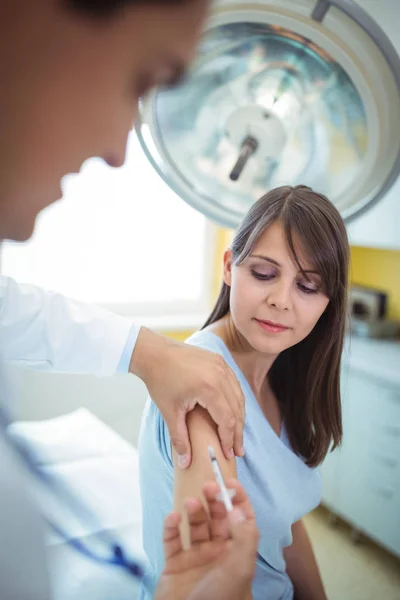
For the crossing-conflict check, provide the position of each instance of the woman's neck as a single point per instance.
(253, 364)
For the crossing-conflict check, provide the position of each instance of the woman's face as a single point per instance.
(70, 89)
(273, 306)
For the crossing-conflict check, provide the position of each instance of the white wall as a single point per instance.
(378, 226)
(117, 400)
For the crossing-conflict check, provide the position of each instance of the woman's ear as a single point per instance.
(228, 263)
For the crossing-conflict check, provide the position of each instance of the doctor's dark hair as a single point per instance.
(107, 8)
(306, 377)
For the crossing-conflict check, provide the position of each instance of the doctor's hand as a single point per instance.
(214, 568)
(179, 376)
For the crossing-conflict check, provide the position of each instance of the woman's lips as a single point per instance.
(272, 327)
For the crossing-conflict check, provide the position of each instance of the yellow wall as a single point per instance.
(381, 269)
(180, 336)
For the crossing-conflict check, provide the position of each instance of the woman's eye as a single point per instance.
(307, 289)
(262, 276)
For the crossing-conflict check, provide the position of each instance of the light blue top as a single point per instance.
(125, 360)
(281, 487)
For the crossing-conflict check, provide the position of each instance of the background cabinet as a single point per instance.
(361, 480)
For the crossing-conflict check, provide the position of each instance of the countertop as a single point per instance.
(376, 358)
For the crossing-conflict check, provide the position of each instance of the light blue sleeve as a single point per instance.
(124, 362)
(156, 473)
(161, 436)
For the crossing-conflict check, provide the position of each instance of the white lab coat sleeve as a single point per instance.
(45, 330)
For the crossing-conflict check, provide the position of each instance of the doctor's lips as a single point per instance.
(272, 327)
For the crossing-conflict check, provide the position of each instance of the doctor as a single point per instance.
(72, 72)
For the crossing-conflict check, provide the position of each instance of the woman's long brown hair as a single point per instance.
(306, 377)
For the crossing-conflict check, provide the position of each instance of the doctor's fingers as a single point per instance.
(202, 552)
(237, 397)
(242, 526)
(198, 521)
(226, 407)
(172, 535)
(240, 500)
(245, 538)
(179, 436)
(198, 527)
(219, 393)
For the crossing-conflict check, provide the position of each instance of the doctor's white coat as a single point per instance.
(47, 331)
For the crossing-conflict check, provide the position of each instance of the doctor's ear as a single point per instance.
(228, 264)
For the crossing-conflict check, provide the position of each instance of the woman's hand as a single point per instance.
(179, 376)
(214, 568)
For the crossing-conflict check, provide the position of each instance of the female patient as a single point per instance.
(279, 322)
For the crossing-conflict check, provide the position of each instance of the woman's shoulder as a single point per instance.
(208, 341)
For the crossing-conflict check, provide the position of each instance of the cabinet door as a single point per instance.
(331, 468)
(369, 483)
(330, 473)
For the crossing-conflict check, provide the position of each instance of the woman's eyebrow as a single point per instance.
(275, 262)
(267, 258)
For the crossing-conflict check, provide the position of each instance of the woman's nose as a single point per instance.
(279, 296)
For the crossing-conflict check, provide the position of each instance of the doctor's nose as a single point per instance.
(115, 160)
(117, 156)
